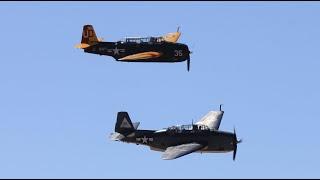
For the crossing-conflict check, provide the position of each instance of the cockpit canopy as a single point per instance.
(144, 39)
(189, 127)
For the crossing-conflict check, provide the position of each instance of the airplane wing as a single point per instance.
(212, 120)
(144, 55)
(174, 152)
(172, 37)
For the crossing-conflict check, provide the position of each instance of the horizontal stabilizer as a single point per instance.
(82, 46)
(136, 125)
(116, 136)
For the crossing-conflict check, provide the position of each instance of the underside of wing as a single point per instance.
(174, 152)
(172, 37)
(144, 55)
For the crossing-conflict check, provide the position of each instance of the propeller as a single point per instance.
(178, 29)
(235, 143)
(188, 60)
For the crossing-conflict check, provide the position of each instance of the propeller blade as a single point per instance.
(235, 142)
(235, 152)
(188, 64)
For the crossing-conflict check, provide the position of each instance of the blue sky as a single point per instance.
(58, 105)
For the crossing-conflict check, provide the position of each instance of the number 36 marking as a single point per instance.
(178, 53)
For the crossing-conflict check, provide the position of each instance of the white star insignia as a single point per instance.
(144, 139)
(116, 51)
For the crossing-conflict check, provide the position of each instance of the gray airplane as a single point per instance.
(176, 141)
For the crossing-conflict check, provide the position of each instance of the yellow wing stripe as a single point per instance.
(144, 55)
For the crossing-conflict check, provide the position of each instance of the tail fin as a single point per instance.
(88, 35)
(124, 125)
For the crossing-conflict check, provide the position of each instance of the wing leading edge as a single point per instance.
(174, 152)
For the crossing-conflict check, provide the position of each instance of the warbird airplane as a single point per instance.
(148, 49)
(177, 141)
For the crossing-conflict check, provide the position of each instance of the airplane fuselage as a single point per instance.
(148, 52)
(215, 141)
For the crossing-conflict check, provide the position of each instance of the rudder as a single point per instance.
(124, 125)
(88, 35)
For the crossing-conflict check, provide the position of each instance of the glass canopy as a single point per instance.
(143, 39)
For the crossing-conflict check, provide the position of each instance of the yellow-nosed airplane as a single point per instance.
(149, 49)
